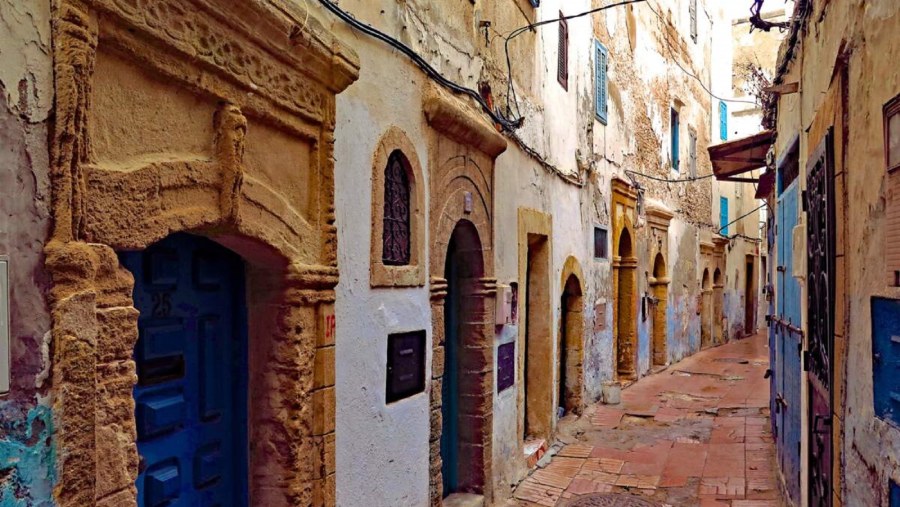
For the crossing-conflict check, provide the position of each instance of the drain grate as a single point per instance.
(609, 500)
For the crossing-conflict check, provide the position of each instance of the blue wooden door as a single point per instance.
(191, 356)
(788, 346)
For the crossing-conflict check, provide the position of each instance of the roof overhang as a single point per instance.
(737, 157)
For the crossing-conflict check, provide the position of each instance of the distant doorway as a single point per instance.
(538, 410)
(718, 303)
(706, 313)
(570, 346)
(462, 399)
(626, 328)
(750, 297)
(660, 286)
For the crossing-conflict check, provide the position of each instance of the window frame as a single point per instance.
(601, 82)
(562, 57)
(605, 248)
(692, 153)
(675, 142)
(383, 274)
(891, 109)
(724, 218)
(692, 13)
(723, 120)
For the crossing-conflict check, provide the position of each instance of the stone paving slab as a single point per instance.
(695, 434)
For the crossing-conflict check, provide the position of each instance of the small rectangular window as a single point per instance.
(692, 9)
(723, 216)
(892, 134)
(723, 120)
(601, 59)
(601, 243)
(693, 153)
(506, 366)
(892, 165)
(563, 56)
(405, 365)
(674, 126)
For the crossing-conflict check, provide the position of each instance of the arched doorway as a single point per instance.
(706, 314)
(463, 399)
(660, 285)
(192, 371)
(626, 326)
(571, 337)
(718, 303)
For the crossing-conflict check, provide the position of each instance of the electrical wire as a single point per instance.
(667, 180)
(738, 219)
(508, 126)
(505, 123)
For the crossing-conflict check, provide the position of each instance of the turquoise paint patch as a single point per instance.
(28, 460)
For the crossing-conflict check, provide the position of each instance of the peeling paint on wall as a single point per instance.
(27, 458)
(27, 451)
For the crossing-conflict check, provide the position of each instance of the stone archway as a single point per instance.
(570, 346)
(160, 130)
(660, 287)
(463, 401)
(461, 162)
(625, 268)
(706, 313)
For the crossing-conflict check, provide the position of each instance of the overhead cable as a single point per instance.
(505, 123)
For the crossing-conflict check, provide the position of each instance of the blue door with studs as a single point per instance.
(191, 356)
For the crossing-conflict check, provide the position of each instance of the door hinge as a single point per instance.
(806, 360)
(803, 199)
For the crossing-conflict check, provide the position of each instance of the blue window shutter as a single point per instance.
(675, 127)
(723, 120)
(723, 215)
(601, 61)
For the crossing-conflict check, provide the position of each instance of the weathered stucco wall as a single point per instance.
(448, 34)
(27, 446)
(370, 458)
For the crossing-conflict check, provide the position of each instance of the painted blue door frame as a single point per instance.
(787, 366)
(191, 356)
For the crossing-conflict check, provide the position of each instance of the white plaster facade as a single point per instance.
(382, 449)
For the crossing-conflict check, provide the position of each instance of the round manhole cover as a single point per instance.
(609, 500)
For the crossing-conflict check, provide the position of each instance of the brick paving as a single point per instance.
(694, 435)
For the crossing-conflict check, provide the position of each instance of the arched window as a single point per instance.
(395, 246)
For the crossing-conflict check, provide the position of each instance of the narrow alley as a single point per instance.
(695, 434)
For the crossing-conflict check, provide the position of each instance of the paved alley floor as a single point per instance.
(695, 434)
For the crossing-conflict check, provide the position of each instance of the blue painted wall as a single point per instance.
(27, 456)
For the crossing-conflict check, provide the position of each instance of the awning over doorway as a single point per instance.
(734, 158)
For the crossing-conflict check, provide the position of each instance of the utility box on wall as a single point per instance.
(4, 325)
(504, 301)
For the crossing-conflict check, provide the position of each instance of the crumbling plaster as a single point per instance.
(27, 444)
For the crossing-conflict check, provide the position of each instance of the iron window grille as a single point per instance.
(396, 234)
